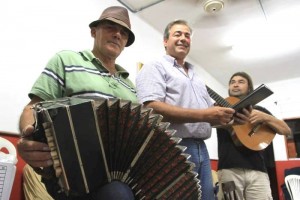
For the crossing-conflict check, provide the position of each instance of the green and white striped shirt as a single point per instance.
(70, 73)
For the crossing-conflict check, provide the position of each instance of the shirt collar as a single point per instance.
(88, 54)
(174, 62)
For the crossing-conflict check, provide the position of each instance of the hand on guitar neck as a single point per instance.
(242, 115)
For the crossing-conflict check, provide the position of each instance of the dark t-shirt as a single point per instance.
(234, 156)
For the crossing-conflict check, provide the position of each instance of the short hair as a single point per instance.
(171, 24)
(247, 77)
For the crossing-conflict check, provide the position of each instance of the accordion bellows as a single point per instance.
(94, 141)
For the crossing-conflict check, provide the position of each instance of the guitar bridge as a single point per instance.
(254, 130)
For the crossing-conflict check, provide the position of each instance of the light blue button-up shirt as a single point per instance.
(164, 80)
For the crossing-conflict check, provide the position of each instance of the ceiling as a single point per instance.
(239, 37)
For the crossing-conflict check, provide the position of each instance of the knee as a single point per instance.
(115, 190)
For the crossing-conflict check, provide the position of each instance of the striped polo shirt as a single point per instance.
(70, 73)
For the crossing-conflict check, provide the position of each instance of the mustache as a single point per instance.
(116, 42)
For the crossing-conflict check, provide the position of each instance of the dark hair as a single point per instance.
(171, 24)
(247, 77)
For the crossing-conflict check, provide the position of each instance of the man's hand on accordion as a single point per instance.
(36, 154)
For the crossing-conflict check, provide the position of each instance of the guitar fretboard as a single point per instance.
(215, 96)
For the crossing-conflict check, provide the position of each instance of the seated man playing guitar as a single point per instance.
(239, 163)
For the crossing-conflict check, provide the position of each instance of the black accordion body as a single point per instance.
(94, 141)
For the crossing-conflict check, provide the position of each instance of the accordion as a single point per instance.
(94, 141)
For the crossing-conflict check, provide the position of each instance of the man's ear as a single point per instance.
(165, 42)
(93, 32)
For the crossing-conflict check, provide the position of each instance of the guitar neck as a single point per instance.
(215, 96)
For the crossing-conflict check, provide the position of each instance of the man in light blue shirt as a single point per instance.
(171, 87)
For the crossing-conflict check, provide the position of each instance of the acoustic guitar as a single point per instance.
(256, 137)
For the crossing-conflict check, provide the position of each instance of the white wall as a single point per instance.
(285, 102)
(32, 31)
